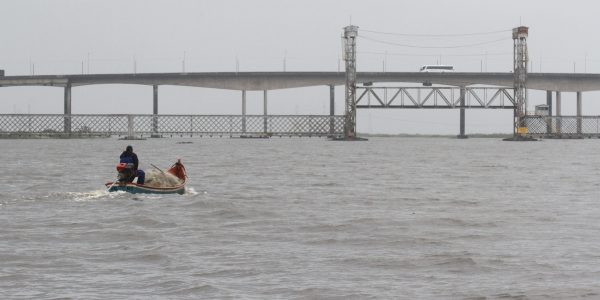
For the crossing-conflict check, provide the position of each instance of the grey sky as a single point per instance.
(58, 37)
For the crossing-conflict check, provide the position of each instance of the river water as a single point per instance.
(290, 218)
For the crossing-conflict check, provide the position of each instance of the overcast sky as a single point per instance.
(108, 36)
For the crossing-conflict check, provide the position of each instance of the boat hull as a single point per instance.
(135, 188)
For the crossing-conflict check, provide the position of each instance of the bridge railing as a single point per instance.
(169, 125)
(563, 126)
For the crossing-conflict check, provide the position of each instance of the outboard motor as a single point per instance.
(125, 172)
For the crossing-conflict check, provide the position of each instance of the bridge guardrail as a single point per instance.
(563, 126)
(170, 125)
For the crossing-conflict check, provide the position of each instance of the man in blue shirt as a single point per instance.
(129, 157)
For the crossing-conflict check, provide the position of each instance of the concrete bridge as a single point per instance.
(265, 81)
(519, 79)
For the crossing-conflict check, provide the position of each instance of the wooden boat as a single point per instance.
(177, 169)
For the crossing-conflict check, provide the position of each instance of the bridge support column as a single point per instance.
(265, 127)
(331, 110)
(67, 110)
(558, 113)
(462, 113)
(130, 132)
(155, 112)
(243, 111)
(549, 103)
(579, 97)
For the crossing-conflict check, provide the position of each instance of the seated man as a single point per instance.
(129, 157)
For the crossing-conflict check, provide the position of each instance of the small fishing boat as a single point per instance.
(176, 175)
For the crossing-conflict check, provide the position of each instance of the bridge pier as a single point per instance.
(130, 134)
(155, 112)
(67, 108)
(549, 103)
(558, 112)
(462, 113)
(243, 111)
(331, 110)
(579, 98)
(265, 127)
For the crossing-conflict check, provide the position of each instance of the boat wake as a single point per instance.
(93, 195)
(191, 191)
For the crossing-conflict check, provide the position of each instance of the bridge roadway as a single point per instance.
(261, 81)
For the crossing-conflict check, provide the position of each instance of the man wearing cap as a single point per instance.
(129, 157)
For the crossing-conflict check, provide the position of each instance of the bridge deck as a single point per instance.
(567, 82)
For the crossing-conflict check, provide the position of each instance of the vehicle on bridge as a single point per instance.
(542, 110)
(437, 68)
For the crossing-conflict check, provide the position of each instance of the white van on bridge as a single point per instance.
(437, 68)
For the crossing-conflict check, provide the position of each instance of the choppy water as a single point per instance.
(391, 218)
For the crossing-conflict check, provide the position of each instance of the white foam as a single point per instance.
(91, 195)
(191, 191)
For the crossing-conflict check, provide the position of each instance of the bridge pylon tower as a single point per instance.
(520, 59)
(349, 42)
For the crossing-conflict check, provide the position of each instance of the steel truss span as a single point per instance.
(435, 97)
(171, 125)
